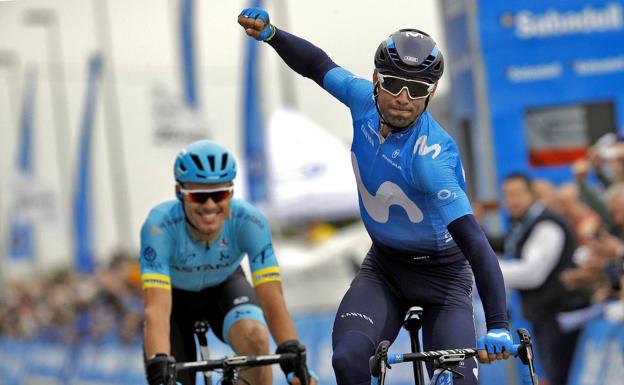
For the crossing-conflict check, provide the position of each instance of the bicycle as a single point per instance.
(444, 361)
(230, 366)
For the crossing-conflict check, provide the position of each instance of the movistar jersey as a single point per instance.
(411, 184)
(171, 256)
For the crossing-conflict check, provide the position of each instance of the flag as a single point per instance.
(83, 226)
(21, 242)
(253, 125)
(188, 54)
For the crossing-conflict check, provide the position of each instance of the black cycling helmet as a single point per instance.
(411, 53)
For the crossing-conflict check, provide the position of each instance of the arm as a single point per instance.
(156, 246)
(471, 240)
(157, 313)
(280, 324)
(540, 255)
(302, 56)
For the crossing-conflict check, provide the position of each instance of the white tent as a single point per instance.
(310, 171)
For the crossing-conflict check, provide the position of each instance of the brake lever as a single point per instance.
(525, 352)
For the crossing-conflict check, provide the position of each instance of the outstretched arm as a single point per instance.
(467, 233)
(472, 241)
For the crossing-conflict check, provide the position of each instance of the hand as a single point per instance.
(495, 345)
(160, 370)
(256, 23)
(607, 247)
(296, 375)
(580, 169)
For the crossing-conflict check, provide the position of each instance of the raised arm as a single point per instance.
(302, 56)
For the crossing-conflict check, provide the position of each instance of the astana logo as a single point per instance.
(388, 194)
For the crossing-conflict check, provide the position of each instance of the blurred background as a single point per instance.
(97, 97)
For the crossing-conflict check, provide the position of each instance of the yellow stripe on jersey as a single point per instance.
(159, 281)
(268, 274)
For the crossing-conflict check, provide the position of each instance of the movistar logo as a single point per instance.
(421, 148)
(388, 194)
(553, 23)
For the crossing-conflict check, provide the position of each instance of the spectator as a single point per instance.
(545, 192)
(601, 269)
(584, 221)
(541, 244)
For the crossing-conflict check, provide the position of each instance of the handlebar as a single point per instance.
(238, 362)
(382, 359)
(230, 365)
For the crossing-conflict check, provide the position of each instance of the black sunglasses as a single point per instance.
(200, 196)
(416, 89)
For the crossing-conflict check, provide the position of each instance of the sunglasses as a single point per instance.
(200, 196)
(416, 89)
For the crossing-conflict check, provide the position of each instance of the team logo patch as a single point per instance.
(149, 254)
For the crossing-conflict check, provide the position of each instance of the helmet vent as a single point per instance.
(394, 55)
(182, 166)
(200, 176)
(223, 175)
(428, 61)
(197, 162)
(211, 162)
(224, 159)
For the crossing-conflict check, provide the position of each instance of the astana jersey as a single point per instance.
(411, 184)
(171, 256)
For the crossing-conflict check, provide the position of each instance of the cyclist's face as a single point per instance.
(399, 110)
(207, 217)
(518, 197)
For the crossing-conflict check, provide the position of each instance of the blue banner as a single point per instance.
(253, 124)
(83, 231)
(20, 240)
(599, 358)
(554, 72)
(188, 54)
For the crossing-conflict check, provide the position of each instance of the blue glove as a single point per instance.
(496, 341)
(258, 13)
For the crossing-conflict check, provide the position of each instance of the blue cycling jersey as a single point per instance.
(171, 256)
(411, 184)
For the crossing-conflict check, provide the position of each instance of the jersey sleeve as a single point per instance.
(157, 246)
(354, 92)
(254, 237)
(436, 171)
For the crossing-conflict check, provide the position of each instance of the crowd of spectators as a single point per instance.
(69, 308)
(593, 204)
(596, 212)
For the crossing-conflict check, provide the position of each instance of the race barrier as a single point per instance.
(598, 362)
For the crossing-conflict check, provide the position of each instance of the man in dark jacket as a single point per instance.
(541, 244)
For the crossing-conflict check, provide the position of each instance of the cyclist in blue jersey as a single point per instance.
(426, 242)
(191, 250)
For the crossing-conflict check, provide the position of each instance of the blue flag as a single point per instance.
(253, 125)
(188, 54)
(83, 226)
(20, 242)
